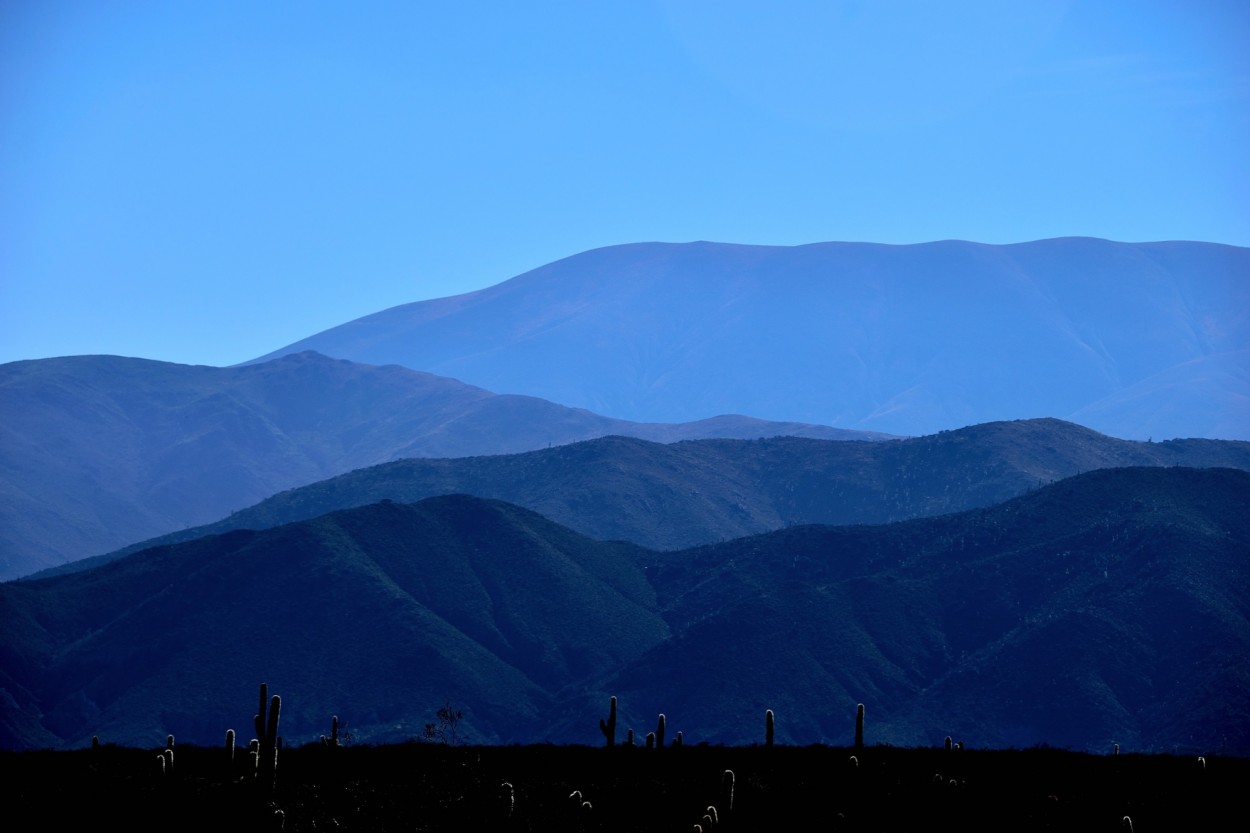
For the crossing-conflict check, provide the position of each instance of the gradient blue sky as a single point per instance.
(206, 182)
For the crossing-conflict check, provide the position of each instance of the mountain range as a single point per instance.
(376, 541)
(1105, 608)
(674, 495)
(97, 452)
(1136, 340)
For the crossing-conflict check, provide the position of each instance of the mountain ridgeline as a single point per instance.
(1135, 340)
(101, 451)
(668, 496)
(1105, 608)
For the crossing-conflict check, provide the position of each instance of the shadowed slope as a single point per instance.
(380, 613)
(1109, 607)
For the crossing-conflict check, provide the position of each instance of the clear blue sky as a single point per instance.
(205, 182)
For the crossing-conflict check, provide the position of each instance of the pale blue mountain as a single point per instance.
(1135, 340)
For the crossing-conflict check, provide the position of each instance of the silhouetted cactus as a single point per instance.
(629, 737)
(947, 743)
(859, 726)
(169, 741)
(727, 790)
(267, 739)
(230, 744)
(333, 740)
(651, 740)
(677, 739)
(608, 727)
(659, 733)
(768, 727)
(508, 793)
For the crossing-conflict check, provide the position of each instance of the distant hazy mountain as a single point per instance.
(706, 491)
(97, 452)
(1134, 340)
(1109, 607)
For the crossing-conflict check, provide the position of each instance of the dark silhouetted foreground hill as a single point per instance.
(1105, 608)
(1136, 340)
(99, 451)
(699, 492)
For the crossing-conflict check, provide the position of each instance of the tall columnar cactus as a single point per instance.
(332, 741)
(659, 733)
(267, 735)
(768, 728)
(859, 726)
(608, 727)
(727, 791)
(230, 744)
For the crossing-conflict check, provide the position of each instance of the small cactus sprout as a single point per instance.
(334, 730)
(651, 740)
(727, 790)
(608, 727)
(677, 739)
(854, 762)
(1202, 762)
(659, 733)
(169, 742)
(230, 743)
(859, 726)
(509, 797)
(160, 764)
(169, 760)
(1127, 824)
(768, 727)
(711, 814)
(947, 743)
(1115, 750)
(95, 741)
(629, 737)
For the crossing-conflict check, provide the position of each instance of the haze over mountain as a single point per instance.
(1136, 340)
(97, 452)
(668, 496)
(1108, 607)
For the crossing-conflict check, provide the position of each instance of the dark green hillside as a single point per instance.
(698, 492)
(382, 613)
(1106, 608)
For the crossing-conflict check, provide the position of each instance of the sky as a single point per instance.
(204, 182)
